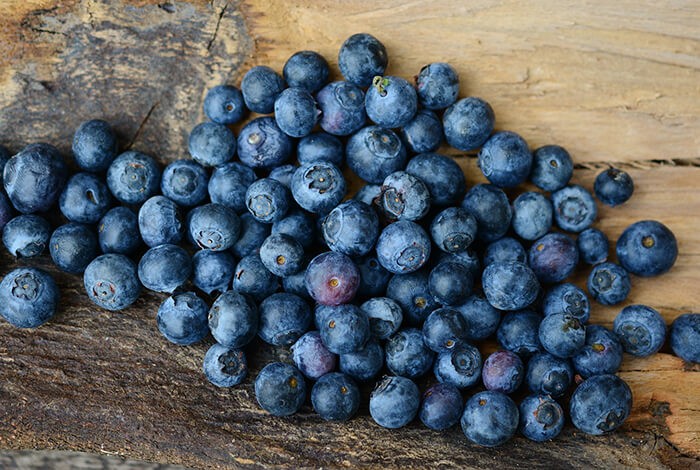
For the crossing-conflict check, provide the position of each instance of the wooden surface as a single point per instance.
(611, 81)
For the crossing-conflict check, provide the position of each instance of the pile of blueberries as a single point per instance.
(389, 286)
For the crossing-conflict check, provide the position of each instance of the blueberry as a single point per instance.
(510, 285)
(6, 209)
(453, 229)
(552, 168)
(541, 418)
(609, 283)
(407, 354)
(423, 133)
(260, 87)
(318, 187)
(468, 258)
(437, 85)
(233, 319)
(296, 284)
(374, 153)
(468, 123)
(602, 353)
(253, 278)
(225, 367)
(185, 182)
(165, 268)
(569, 299)
(532, 215)
(613, 187)
(593, 246)
(224, 104)
(600, 404)
(574, 208)
(553, 257)
(391, 101)
(385, 316)
(29, 297)
(344, 329)
(320, 146)
(444, 329)
(283, 319)
(111, 281)
(118, 231)
(442, 175)
(361, 58)
(481, 318)
(94, 145)
(283, 174)
(26, 235)
(685, 337)
(505, 159)
(441, 407)
(34, 178)
(299, 225)
(5, 155)
(504, 250)
(549, 375)
(228, 185)
(403, 247)
(365, 364)
(412, 293)
(182, 318)
(394, 402)
(160, 221)
(311, 357)
(268, 200)
(352, 228)
(450, 283)
(332, 278)
(503, 371)
(374, 279)
(490, 207)
(85, 199)
(342, 107)
(212, 271)
(647, 248)
(335, 397)
(252, 236)
(307, 70)
(404, 197)
(211, 144)
(460, 366)
(213, 227)
(280, 389)
(296, 112)
(519, 332)
(490, 418)
(562, 335)
(72, 247)
(262, 144)
(133, 177)
(641, 329)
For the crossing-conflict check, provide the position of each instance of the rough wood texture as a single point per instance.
(613, 82)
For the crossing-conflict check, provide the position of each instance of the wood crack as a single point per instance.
(143, 123)
(218, 24)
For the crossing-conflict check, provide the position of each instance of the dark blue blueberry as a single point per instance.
(296, 112)
(442, 175)
(118, 231)
(613, 187)
(553, 257)
(593, 246)
(407, 354)
(229, 183)
(26, 235)
(29, 297)
(94, 145)
(532, 215)
(283, 319)
(442, 406)
(365, 364)
(260, 87)
(609, 283)
(600, 404)
(296, 284)
(212, 271)
(72, 247)
(412, 293)
(283, 174)
(320, 146)
(182, 318)
(453, 229)
(490, 418)
(6, 210)
(253, 278)
(280, 389)
(307, 70)
(394, 402)
(268, 200)
(85, 199)
(504, 250)
(213, 227)
(685, 337)
(318, 187)
(165, 268)
(574, 208)
(211, 144)
(647, 248)
(437, 85)
(444, 329)
(34, 178)
(552, 168)
(385, 316)
(423, 133)
(510, 285)
(335, 397)
(344, 329)
(549, 375)
(460, 366)
(4, 158)
(185, 182)
(374, 153)
(503, 371)
(404, 197)
(490, 207)
(403, 247)
(519, 332)
(567, 298)
(562, 335)
(262, 144)
(602, 353)
(133, 177)
(111, 281)
(332, 278)
(468, 123)
(233, 319)
(641, 329)
(391, 102)
(225, 367)
(342, 107)
(298, 225)
(541, 418)
(224, 104)
(468, 258)
(450, 283)
(160, 221)
(311, 357)
(252, 236)
(351, 228)
(481, 318)
(374, 279)
(361, 58)
(505, 159)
